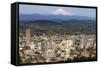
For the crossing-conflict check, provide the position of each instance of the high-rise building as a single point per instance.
(28, 36)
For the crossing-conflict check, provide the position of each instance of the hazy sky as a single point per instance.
(37, 9)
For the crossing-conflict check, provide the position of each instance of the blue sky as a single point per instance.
(37, 9)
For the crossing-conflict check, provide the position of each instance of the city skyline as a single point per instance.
(56, 34)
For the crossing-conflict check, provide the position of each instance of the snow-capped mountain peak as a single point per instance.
(61, 11)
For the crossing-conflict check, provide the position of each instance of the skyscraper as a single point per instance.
(28, 36)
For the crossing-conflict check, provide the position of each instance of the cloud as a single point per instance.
(61, 11)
